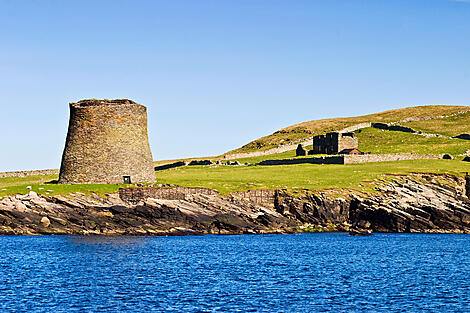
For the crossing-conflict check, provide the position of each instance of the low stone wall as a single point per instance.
(463, 136)
(355, 127)
(336, 159)
(28, 173)
(171, 165)
(351, 159)
(366, 158)
(170, 193)
(258, 197)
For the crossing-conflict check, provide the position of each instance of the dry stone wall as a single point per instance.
(366, 158)
(256, 197)
(107, 140)
(170, 193)
(28, 173)
(351, 159)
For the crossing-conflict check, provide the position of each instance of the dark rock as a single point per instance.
(300, 151)
(171, 165)
(463, 136)
(201, 162)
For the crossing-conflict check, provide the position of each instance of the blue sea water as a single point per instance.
(246, 273)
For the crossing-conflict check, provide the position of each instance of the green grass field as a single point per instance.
(42, 185)
(302, 176)
(227, 179)
(383, 141)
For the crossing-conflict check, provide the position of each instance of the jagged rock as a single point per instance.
(404, 204)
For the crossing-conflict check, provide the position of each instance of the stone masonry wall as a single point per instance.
(351, 159)
(337, 159)
(106, 140)
(256, 197)
(292, 146)
(365, 158)
(28, 173)
(170, 193)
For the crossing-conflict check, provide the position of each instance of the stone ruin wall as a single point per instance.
(171, 193)
(365, 158)
(106, 140)
(28, 173)
(355, 127)
(351, 159)
(347, 142)
(291, 146)
(256, 197)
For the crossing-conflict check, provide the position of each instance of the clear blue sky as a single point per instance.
(218, 74)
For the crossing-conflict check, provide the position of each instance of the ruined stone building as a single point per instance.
(107, 143)
(334, 143)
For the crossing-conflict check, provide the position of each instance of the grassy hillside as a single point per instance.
(449, 126)
(301, 176)
(452, 125)
(308, 176)
(382, 141)
(236, 178)
(42, 184)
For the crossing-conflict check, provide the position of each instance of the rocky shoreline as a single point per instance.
(424, 203)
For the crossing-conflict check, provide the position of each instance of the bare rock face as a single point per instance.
(414, 203)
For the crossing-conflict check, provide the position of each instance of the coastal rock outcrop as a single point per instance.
(427, 203)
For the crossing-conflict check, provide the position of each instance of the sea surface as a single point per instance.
(246, 273)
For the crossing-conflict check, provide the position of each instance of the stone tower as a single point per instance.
(107, 143)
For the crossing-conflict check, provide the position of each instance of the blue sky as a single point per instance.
(218, 74)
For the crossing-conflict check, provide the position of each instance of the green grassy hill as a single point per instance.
(309, 176)
(449, 126)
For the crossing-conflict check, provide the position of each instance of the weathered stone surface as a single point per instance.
(45, 221)
(106, 141)
(333, 143)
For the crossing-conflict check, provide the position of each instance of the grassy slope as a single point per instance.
(302, 176)
(230, 178)
(449, 126)
(307, 129)
(234, 178)
(379, 141)
(17, 185)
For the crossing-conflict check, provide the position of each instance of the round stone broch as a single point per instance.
(107, 143)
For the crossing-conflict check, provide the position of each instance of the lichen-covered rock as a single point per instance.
(107, 143)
